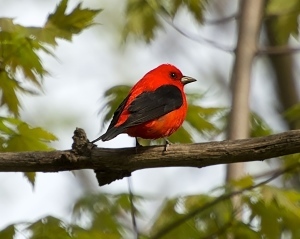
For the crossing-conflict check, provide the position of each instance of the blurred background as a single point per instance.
(98, 59)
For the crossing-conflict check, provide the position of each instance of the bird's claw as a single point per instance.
(167, 144)
(137, 145)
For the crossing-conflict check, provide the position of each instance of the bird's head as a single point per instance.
(169, 74)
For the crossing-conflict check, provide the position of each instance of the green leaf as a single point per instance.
(4, 129)
(63, 25)
(141, 19)
(291, 161)
(269, 226)
(29, 139)
(8, 232)
(259, 127)
(171, 7)
(277, 209)
(30, 176)
(26, 60)
(243, 182)
(204, 120)
(91, 233)
(19, 46)
(293, 114)
(284, 18)
(123, 201)
(196, 7)
(9, 98)
(19, 52)
(103, 211)
(167, 215)
(181, 136)
(242, 230)
(58, 25)
(19, 136)
(49, 228)
(287, 199)
(206, 223)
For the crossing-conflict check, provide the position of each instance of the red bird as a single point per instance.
(154, 108)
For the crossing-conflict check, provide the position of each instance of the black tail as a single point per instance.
(110, 134)
(95, 140)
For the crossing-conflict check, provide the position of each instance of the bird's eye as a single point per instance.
(173, 75)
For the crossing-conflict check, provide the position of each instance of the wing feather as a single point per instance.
(152, 105)
(145, 107)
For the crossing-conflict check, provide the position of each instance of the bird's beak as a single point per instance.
(186, 79)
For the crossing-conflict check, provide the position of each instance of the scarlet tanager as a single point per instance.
(154, 108)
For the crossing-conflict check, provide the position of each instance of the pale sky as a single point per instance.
(83, 70)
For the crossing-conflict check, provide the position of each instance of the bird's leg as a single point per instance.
(167, 144)
(137, 145)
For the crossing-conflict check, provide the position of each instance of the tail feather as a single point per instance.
(110, 134)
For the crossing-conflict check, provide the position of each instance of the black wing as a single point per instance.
(153, 104)
(117, 113)
(147, 106)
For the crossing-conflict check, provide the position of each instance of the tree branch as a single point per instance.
(113, 164)
(278, 50)
(196, 38)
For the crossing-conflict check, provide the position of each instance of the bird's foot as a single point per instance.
(137, 145)
(167, 144)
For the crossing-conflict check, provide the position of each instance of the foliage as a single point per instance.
(283, 15)
(268, 208)
(17, 136)
(293, 113)
(20, 65)
(142, 17)
(258, 126)
(19, 47)
(8, 232)
(277, 210)
(273, 212)
(198, 226)
(95, 215)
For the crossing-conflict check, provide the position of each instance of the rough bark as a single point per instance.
(113, 164)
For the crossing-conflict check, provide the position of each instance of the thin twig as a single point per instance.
(223, 20)
(264, 174)
(220, 231)
(266, 50)
(278, 50)
(224, 197)
(134, 224)
(198, 39)
(236, 16)
(225, 227)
